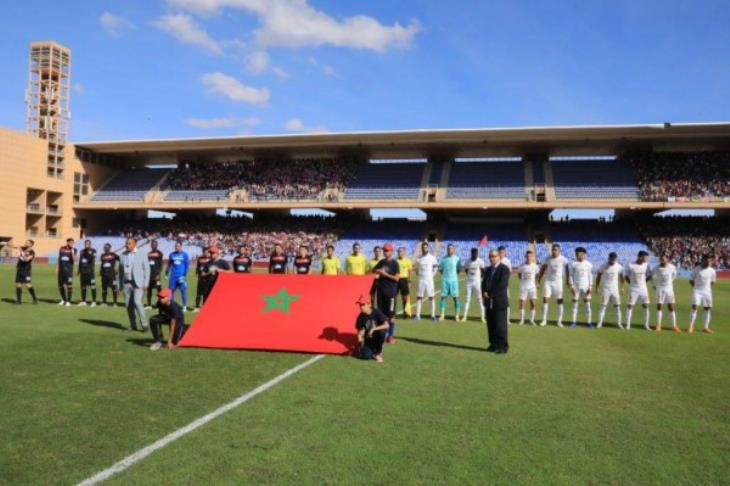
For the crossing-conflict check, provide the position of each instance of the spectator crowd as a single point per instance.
(266, 179)
(664, 176)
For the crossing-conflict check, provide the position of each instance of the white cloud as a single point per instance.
(233, 89)
(224, 122)
(298, 125)
(114, 24)
(257, 62)
(326, 69)
(295, 23)
(79, 88)
(280, 73)
(184, 28)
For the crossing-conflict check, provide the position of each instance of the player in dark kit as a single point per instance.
(200, 290)
(65, 271)
(388, 272)
(278, 260)
(23, 271)
(303, 262)
(242, 261)
(108, 272)
(156, 259)
(214, 266)
(87, 267)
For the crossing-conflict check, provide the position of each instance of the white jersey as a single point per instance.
(506, 262)
(474, 269)
(663, 277)
(425, 265)
(528, 275)
(610, 276)
(637, 274)
(581, 274)
(555, 269)
(703, 278)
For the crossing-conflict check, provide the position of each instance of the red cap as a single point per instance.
(214, 249)
(164, 293)
(388, 246)
(363, 299)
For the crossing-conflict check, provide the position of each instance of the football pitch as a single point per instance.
(565, 406)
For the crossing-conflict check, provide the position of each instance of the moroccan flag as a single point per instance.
(311, 313)
(484, 241)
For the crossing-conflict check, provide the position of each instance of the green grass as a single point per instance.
(565, 406)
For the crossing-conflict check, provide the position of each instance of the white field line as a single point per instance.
(135, 457)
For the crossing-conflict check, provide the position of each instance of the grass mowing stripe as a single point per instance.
(135, 457)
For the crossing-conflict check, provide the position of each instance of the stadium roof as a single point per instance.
(499, 141)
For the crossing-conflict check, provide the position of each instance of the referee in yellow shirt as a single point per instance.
(406, 265)
(355, 263)
(330, 263)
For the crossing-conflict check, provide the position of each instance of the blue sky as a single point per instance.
(178, 68)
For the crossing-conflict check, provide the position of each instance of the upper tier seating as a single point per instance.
(386, 181)
(487, 180)
(593, 179)
(129, 185)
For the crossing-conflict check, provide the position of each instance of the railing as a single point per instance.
(53, 211)
(34, 207)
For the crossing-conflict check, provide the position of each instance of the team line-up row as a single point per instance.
(556, 270)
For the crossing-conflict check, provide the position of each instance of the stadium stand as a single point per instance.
(492, 180)
(386, 181)
(576, 179)
(466, 236)
(400, 232)
(663, 176)
(538, 172)
(196, 195)
(129, 185)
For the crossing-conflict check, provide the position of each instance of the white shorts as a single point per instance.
(702, 298)
(610, 296)
(528, 292)
(582, 293)
(641, 295)
(474, 287)
(552, 289)
(425, 288)
(665, 295)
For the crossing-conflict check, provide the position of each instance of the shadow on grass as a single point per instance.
(100, 323)
(427, 342)
(144, 342)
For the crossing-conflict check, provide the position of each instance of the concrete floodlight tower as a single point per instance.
(48, 98)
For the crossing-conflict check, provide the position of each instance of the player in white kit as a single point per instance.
(425, 266)
(474, 268)
(637, 274)
(580, 279)
(702, 279)
(608, 283)
(508, 263)
(663, 276)
(528, 285)
(554, 271)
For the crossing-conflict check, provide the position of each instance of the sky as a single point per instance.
(186, 68)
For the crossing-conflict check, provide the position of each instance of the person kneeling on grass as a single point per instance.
(170, 313)
(372, 327)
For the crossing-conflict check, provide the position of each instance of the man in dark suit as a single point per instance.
(495, 290)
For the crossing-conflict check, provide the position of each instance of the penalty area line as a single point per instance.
(135, 457)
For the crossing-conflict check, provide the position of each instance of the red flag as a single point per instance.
(484, 241)
(311, 313)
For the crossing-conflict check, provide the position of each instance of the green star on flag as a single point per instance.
(279, 300)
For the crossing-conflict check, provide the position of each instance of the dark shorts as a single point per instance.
(155, 281)
(65, 278)
(386, 304)
(404, 287)
(108, 281)
(22, 277)
(88, 280)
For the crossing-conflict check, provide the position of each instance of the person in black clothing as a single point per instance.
(372, 326)
(200, 290)
(278, 260)
(387, 271)
(495, 290)
(156, 259)
(170, 313)
(242, 262)
(23, 272)
(87, 267)
(108, 272)
(214, 266)
(303, 262)
(65, 271)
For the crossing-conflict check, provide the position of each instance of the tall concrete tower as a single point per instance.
(48, 98)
